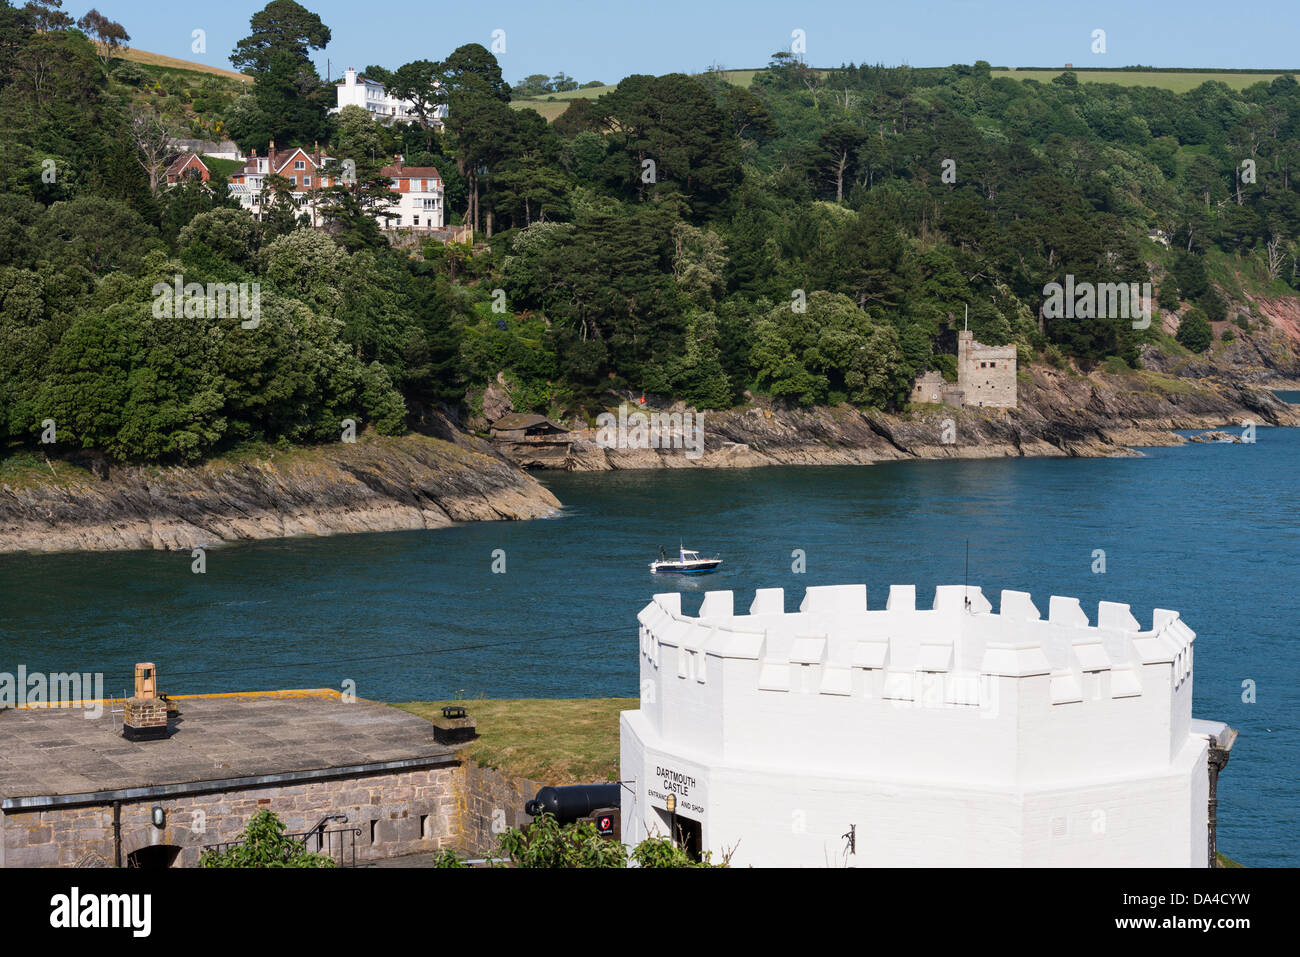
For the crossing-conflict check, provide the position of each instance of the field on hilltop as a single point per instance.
(553, 104)
(173, 63)
(1175, 80)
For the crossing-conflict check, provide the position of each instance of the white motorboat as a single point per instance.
(686, 563)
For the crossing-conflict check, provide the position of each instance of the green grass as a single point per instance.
(552, 740)
(157, 60)
(221, 167)
(1178, 82)
(21, 470)
(549, 111)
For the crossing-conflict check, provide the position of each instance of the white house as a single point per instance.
(420, 207)
(358, 90)
(902, 736)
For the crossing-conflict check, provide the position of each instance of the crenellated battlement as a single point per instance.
(956, 642)
(1037, 733)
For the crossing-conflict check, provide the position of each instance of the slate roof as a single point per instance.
(60, 751)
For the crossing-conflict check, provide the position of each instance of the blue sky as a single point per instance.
(609, 40)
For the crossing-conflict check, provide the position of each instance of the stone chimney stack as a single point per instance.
(145, 714)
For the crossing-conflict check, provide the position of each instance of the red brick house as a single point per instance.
(186, 164)
(301, 168)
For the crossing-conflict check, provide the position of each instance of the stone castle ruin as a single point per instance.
(986, 377)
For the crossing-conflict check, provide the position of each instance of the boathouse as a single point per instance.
(950, 735)
(519, 427)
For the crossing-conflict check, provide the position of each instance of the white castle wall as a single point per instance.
(947, 735)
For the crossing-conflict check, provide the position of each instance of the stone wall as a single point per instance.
(928, 388)
(462, 807)
(488, 802)
(398, 813)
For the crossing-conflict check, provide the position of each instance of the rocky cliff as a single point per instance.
(376, 484)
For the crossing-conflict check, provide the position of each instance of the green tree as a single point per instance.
(291, 99)
(282, 26)
(1194, 331)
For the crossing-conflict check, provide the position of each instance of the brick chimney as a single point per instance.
(145, 714)
(397, 161)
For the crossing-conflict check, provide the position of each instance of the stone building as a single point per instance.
(986, 377)
(367, 780)
(909, 736)
(931, 387)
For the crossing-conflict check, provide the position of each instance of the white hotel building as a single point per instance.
(906, 736)
(357, 90)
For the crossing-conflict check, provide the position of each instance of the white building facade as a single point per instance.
(902, 736)
(372, 96)
(420, 206)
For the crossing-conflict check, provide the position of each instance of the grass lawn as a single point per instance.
(552, 740)
(221, 167)
(549, 109)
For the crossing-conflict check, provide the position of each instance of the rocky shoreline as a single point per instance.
(416, 481)
(1059, 414)
(374, 485)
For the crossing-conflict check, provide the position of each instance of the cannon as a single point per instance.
(573, 801)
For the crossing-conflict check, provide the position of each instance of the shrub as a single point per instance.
(1216, 310)
(547, 843)
(263, 844)
(1194, 331)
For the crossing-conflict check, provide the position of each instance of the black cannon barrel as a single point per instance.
(573, 801)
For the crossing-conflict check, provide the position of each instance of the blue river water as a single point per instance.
(1210, 530)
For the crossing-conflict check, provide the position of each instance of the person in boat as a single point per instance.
(663, 556)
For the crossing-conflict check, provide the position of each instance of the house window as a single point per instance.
(293, 180)
(416, 220)
(300, 164)
(306, 181)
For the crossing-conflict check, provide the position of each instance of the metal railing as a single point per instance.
(340, 844)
